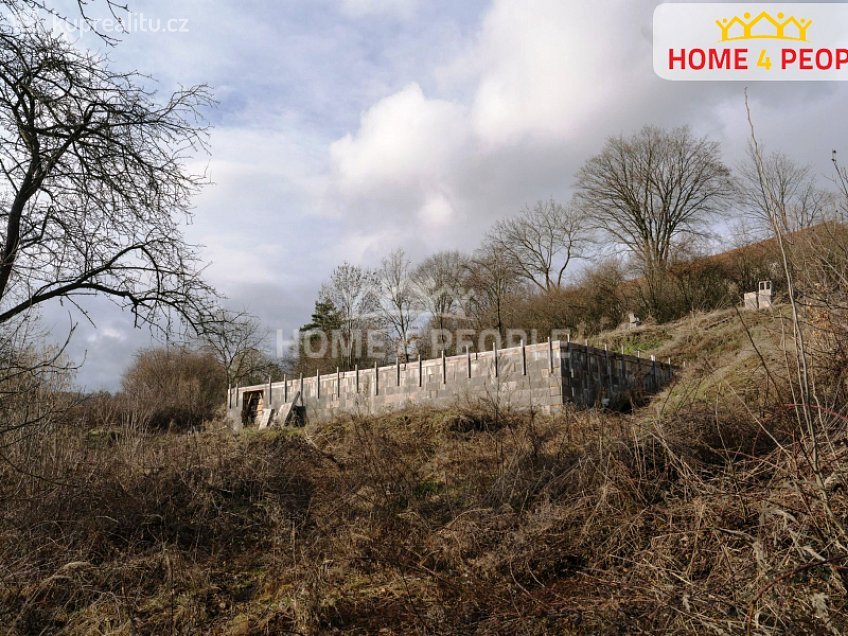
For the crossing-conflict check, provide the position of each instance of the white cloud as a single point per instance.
(395, 176)
(534, 78)
(403, 141)
(546, 67)
(107, 333)
(437, 211)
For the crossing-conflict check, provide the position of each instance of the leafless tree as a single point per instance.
(236, 339)
(648, 190)
(397, 297)
(542, 241)
(602, 294)
(94, 183)
(491, 275)
(793, 199)
(438, 286)
(353, 292)
(93, 188)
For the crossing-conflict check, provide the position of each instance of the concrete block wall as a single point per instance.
(542, 376)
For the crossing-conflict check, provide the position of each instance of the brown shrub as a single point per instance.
(173, 387)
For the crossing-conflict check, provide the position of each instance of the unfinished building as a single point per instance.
(540, 376)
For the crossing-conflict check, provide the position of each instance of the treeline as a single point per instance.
(634, 239)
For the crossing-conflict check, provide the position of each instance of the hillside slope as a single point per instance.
(698, 513)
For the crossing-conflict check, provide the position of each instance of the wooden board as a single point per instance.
(265, 418)
(287, 409)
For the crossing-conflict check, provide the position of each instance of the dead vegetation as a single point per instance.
(717, 508)
(706, 512)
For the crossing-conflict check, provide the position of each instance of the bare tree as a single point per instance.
(397, 298)
(542, 241)
(94, 183)
(491, 274)
(601, 294)
(236, 339)
(353, 292)
(650, 189)
(438, 286)
(793, 200)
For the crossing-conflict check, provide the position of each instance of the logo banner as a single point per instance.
(751, 42)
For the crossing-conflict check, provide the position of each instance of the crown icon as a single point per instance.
(764, 26)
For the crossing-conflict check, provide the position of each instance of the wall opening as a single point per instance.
(253, 405)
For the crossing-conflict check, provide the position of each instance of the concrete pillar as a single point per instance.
(623, 372)
(654, 386)
(639, 377)
(550, 355)
(523, 358)
(599, 364)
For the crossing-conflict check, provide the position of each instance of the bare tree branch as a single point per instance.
(792, 198)
(353, 292)
(397, 298)
(542, 241)
(94, 185)
(236, 339)
(647, 190)
(438, 286)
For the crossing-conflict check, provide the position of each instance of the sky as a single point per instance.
(344, 129)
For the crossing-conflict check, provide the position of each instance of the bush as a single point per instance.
(174, 388)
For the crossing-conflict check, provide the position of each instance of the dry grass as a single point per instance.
(699, 514)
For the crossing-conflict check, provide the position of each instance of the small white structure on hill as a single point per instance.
(760, 299)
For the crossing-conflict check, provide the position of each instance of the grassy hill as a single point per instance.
(709, 510)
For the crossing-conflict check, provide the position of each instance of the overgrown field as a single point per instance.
(711, 510)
